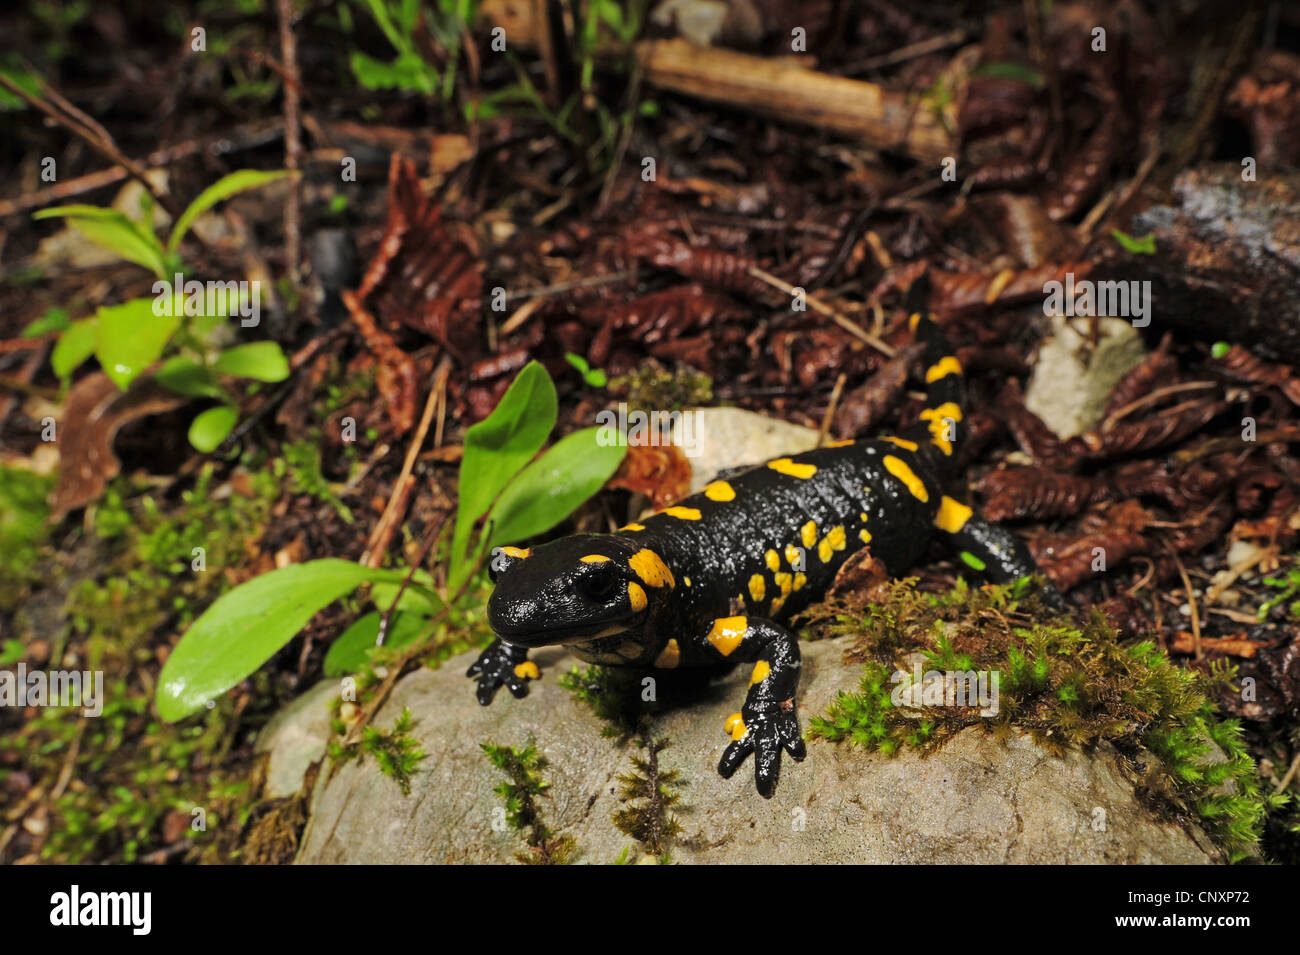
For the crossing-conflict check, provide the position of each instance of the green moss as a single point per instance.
(22, 529)
(614, 695)
(122, 786)
(653, 388)
(150, 577)
(648, 794)
(127, 775)
(303, 461)
(1064, 684)
(522, 791)
(395, 751)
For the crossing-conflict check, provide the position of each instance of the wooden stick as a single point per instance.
(383, 533)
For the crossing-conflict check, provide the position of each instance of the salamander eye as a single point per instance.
(598, 584)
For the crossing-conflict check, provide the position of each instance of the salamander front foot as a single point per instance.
(502, 664)
(764, 731)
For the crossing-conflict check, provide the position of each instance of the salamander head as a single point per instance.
(579, 589)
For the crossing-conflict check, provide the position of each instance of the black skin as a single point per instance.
(707, 606)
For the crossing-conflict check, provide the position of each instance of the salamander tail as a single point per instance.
(942, 421)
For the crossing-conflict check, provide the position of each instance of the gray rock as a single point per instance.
(1072, 379)
(295, 738)
(973, 801)
(721, 438)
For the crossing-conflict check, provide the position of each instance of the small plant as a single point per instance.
(402, 22)
(584, 120)
(594, 377)
(648, 794)
(522, 497)
(1143, 246)
(523, 791)
(396, 752)
(176, 326)
(1288, 586)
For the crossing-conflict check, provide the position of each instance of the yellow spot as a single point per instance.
(527, 670)
(761, 670)
(800, 580)
(866, 536)
(939, 418)
(719, 491)
(945, 366)
(901, 442)
(776, 605)
(735, 726)
(837, 444)
(900, 470)
(913, 320)
(688, 581)
(637, 596)
(633, 527)
(757, 589)
(727, 633)
(833, 541)
(650, 567)
(594, 559)
(520, 552)
(862, 516)
(791, 469)
(683, 513)
(773, 560)
(669, 656)
(952, 515)
(784, 581)
(808, 534)
(792, 553)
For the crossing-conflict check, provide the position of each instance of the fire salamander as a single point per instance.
(717, 576)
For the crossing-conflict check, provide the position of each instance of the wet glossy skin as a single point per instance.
(717, 576)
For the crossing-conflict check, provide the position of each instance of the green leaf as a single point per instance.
(246, 626)
(130, 337)
(225, 187)
(348, 654)
(419, 596)
(74, 346)
(1143, 246)
(187, 377)
(263, 361)
(1009, 70)
(408, 73)
(578, 362)
(132, 240)
(55, 320)
(553, 486)
(210, 428)
(497, 447)
(21, 77)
